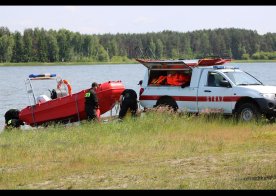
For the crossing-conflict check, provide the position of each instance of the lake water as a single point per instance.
(13, 90)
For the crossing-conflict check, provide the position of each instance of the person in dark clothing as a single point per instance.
(128, 100)
(12, 119)
(91, 102)
(141, 89)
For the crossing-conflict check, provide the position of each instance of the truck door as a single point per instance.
(212, 94)
(187, 100)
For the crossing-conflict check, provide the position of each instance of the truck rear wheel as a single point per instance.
(248, 112)
(167, 101)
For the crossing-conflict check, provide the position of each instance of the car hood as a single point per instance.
(261, 89)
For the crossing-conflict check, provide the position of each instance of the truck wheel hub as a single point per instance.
(247, 114)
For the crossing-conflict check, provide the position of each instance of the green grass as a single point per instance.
(155, 151)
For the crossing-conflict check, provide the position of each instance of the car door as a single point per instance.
(212, 94)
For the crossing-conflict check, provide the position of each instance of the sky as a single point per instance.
(138, 19)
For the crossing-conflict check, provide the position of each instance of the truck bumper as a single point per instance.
(267, 106)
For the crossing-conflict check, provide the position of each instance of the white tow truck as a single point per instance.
(212, 86)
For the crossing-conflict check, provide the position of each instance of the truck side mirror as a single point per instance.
(225, 83)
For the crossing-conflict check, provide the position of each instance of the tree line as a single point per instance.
(40, 45)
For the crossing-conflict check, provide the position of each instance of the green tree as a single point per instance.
(102, 54)
(159, 49)
(245, 56)
(53, 50)
(42, 46)
(28, 45)
(152, 48)
(77, 42)
(4, 31)
(175, 53)
(65, 49)
(6, 46)
(18, 48)
(113, 51)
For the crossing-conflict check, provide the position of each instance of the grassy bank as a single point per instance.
(156, 151)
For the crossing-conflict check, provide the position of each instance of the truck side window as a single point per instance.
(211, 79)
(214, 79)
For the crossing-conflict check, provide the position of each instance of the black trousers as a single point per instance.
(128, 104)
(91, 113)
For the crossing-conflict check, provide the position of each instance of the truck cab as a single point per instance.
(194, 87)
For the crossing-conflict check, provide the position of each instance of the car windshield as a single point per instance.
(242, 78)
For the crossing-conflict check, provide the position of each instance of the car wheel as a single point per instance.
(248, 112)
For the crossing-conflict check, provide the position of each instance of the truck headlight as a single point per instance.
(268, 95)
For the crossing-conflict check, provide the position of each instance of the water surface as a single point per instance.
(13, 90)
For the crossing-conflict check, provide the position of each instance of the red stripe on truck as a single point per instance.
(194, 98)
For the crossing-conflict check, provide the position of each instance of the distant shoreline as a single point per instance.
(64, 63)
(104, 63)
(253, 61)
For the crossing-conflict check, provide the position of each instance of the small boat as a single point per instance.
(65, 106)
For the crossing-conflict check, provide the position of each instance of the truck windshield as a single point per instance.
(242, 78)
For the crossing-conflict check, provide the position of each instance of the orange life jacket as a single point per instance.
(178, 79)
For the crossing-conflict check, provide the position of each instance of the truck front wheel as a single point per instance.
(248, 112)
